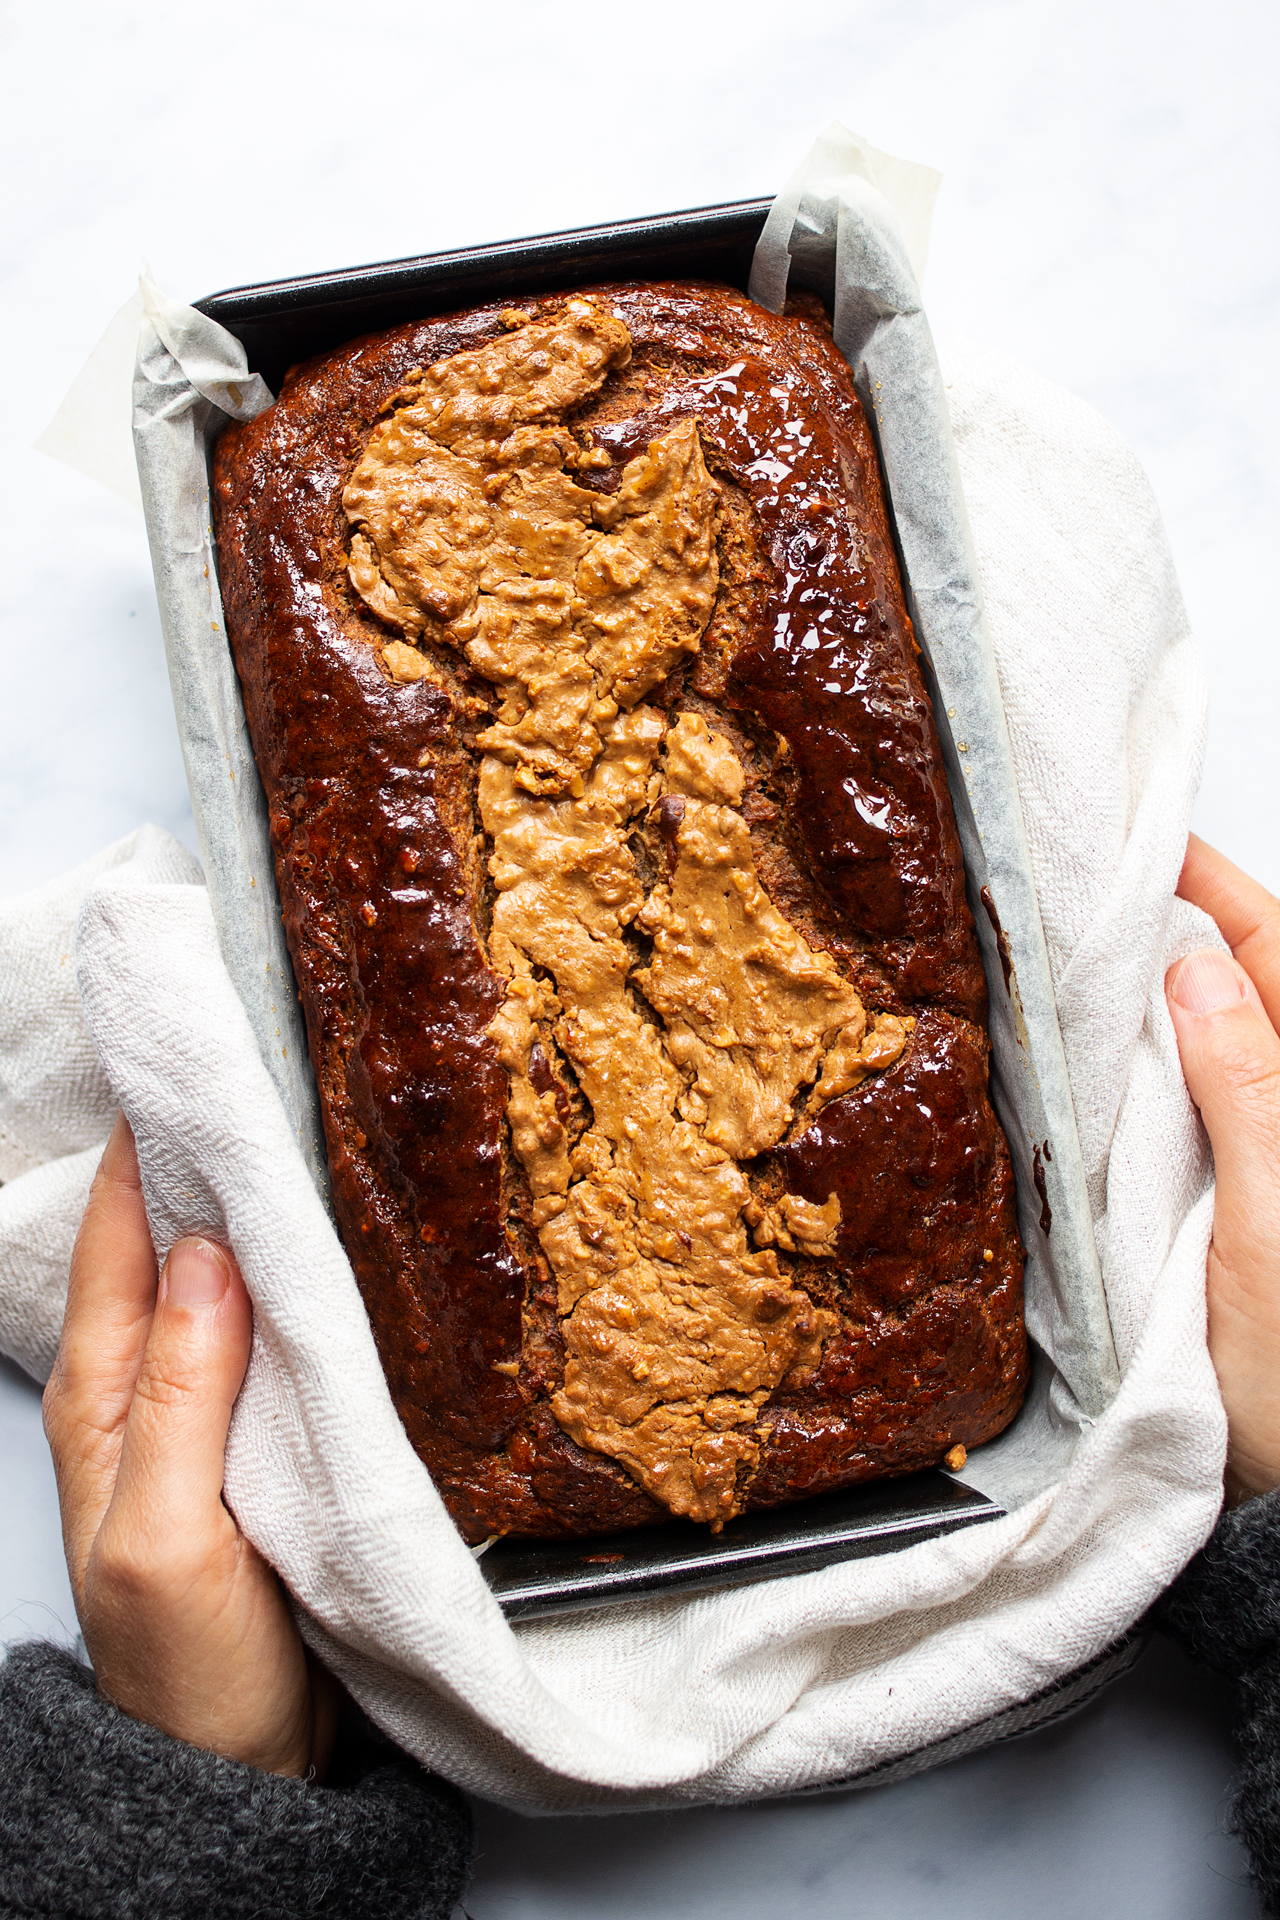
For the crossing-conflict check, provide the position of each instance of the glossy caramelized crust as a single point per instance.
(625, 900)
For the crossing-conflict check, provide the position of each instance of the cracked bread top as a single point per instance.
(626, 904)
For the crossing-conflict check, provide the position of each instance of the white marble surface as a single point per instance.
(1106, 214)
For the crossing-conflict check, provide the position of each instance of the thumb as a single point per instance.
(1231, 1059)
(169, 1485)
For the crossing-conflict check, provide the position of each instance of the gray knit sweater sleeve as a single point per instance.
(1225, 1608)
(103, 1818)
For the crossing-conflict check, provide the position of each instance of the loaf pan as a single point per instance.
(280, 323)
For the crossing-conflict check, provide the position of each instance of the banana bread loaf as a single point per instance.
(626, 905)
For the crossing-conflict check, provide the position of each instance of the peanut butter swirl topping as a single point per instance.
(575, 605)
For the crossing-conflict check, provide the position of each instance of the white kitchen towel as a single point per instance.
(56, 1103)
(787, 1684)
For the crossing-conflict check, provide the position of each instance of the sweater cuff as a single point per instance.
(1225, 1605)
(101, 1814)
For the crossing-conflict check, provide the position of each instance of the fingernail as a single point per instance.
(1208, 981)
(195, 1274)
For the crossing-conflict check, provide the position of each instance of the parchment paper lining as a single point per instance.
(832, 230)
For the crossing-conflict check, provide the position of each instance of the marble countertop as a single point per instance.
(1105, 215)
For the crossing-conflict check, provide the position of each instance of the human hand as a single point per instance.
(1226, 1012)
(186, 1625)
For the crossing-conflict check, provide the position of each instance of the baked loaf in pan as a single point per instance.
(626, 904)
